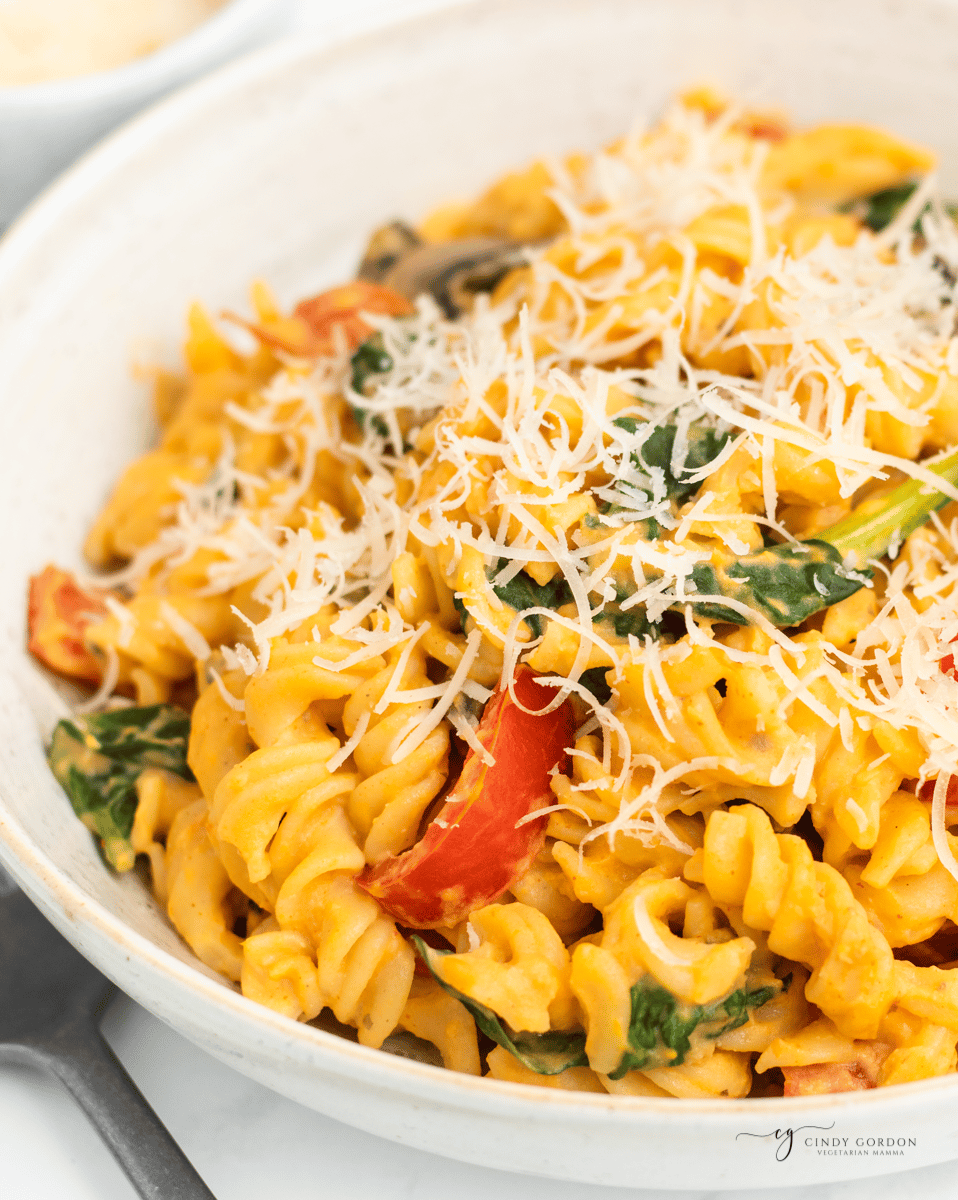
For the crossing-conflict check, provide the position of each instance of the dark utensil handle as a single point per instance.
(138, 1139)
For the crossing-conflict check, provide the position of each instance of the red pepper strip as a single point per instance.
(310, 331)
(58, 613)
(822, 1079)
(473, 851)
(947, 664)
(927, 792)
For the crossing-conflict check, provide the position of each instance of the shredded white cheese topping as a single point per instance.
(841, 318)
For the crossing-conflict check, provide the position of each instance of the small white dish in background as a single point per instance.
(278, 167)
(45, 126)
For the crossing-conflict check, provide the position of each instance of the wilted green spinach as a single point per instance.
(370, 361)
(661, 1027)
(97, 759)
(660, 1030)
(655, 456)
(790, 582)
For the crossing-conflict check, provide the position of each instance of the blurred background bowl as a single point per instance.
(45, 126)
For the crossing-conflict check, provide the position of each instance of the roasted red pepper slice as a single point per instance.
(341, 306)
(59, 610)
(310, 331)
(475, 849)
(947, 664)
(823, 1079)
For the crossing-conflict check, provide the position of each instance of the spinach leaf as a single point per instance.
(788, 583)
(594, 681)
(97, 759)
(705, 444)
(784, 583)
(878, 210)
(522, 592)
(545, 1053)
(370, 361)
(661, 1027)
(633, 621)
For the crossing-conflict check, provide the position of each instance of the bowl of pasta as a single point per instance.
(491, 681)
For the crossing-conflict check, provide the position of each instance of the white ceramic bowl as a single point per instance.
(277, 167)
(44, 126)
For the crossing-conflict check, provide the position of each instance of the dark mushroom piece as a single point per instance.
(451, 272)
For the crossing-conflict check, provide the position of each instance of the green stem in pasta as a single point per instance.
(869, 532)
(791, 582)
(97, 759)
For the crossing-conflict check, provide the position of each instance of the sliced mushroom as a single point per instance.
(451, 272)
(386, 247)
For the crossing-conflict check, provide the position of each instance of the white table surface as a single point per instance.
(248, 1142)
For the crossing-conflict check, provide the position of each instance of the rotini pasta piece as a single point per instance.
(819, 1042)
(219, 738)
(295, 680)
(364, 965)
(278, 820)
(160, 798)
(432, 1014)
(157, 638)
(930, 1052)
(638, 936)
(723, 1073)
(141, 501)
(809, 912)
(840, 162)
(545, 887)
(904, 845)
(749, 745)
(255, 797)
(279, 970)
(930, 993)
(202, 902)
(388, 802)
(911, 908)
(519, 969)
